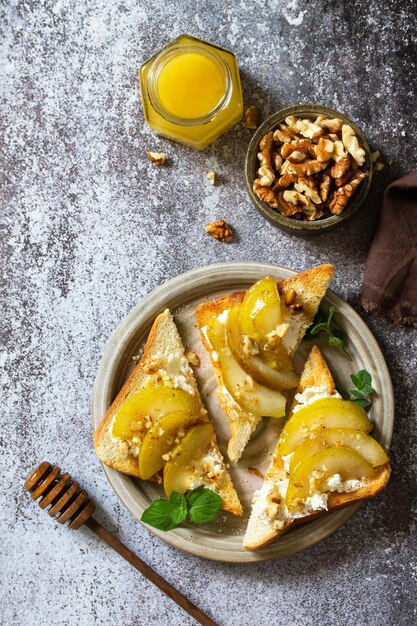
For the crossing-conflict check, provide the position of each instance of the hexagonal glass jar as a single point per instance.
(191, 91)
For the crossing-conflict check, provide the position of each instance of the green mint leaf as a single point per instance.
(363, 402)
(368, 389)
(355, 393)
(203, 505)
(320, 318)
(158, 515)
(338, 343)
(330, 318)
(363, 380)
(178, 507)
(318, 328)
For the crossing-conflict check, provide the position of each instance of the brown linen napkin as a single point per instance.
(389, 287)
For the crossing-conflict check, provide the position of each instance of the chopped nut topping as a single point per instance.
(212, 177)
(378, 167)
(255, 471)
(251, 117)
(124, 449)
(375, 156)
(290, 296)
(220, 230)
(158, 158)
(249, 346)
(192, 358)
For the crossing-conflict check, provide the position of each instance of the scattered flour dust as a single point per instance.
(292, 13)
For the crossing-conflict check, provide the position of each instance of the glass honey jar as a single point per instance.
(191, 91)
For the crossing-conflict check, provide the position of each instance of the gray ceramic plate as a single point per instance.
(221, 540)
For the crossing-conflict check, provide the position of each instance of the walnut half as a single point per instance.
(220, 230)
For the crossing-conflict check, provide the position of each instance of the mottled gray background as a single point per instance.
(89, 226)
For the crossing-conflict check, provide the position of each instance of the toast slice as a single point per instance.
(310, 287)
(163, 346)
(265, 523)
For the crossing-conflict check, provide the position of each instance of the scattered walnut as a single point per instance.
(251, 117)
(158, 158)
(212, 177)
(375, 156)
(351, 143)
(378, 167)
(192, 358)
(220, 230)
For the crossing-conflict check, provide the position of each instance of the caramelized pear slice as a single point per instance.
(325, 413)
(254, 364)
(154, 401)
(357, 440)
(249, 394)
(261, 309)
(160, 439)
(343, 461)
(179, 471)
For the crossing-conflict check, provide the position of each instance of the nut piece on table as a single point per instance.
(251, 117)
(220, 230)
(158, 158)
(212, 177)
(351, 143)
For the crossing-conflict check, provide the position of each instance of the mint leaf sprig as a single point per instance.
(200, 505)
(324, 324)
(363, 383)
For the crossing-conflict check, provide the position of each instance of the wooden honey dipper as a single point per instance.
(69, 503)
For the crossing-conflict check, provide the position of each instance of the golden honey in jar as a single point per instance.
(191, 91)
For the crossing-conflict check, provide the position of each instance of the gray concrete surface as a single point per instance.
(89, 226)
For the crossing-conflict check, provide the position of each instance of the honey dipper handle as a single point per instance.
(149, 573)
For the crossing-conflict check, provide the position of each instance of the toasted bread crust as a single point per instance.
(310, 286)
(315, 373)
(163, 337)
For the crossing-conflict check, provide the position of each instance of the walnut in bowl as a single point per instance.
(308, 168)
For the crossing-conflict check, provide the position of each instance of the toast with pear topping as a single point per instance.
(325, 459)
(251, 337)
(157, 427)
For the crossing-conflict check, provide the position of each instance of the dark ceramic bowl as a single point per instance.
(290, 224)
